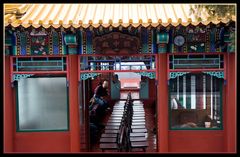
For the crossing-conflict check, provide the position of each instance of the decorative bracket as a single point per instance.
(218, 74)
(173, 75)
(151, 75)
(85, 76)
(17, 77)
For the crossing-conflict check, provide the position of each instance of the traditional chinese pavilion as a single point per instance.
(55, 55)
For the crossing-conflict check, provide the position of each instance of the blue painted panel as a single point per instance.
(144, 38)
(80, 43)
(89, 43)
(212, 40)
(115, 89)
(55, 43)
(23, 50)
(55, 50)
(23, 43)
(154, 44)
(144, 89)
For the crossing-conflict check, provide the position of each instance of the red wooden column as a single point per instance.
(73, 104)
(230, 112)
(8, 108)
(162, 93)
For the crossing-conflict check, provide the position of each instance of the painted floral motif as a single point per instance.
(39, 42)
(39, 45)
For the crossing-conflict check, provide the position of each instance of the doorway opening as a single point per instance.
(119, 85)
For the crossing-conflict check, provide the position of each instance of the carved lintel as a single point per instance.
(17, 77)
(85, 76)
(173, 75)
(218, 74)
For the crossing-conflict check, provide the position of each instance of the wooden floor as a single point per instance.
(150, 124)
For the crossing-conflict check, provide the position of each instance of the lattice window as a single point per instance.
(39, 64)
(196, 61)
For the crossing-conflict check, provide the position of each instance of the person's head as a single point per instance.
(116, 76)
(105, 84)
(143, 78)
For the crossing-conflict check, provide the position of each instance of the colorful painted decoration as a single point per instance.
(196, 39)
(85, 76)
(173, 75)
(23, 43)
(179, 40)
(218, 74)
(39, 42)
(151, 75)
(17, 77)
(55, 42)
(116, 42)
(144, 40)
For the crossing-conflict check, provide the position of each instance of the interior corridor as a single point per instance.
(150, 125)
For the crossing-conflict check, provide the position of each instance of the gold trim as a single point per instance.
(96, 15)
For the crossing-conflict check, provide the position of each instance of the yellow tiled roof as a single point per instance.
(84, 15)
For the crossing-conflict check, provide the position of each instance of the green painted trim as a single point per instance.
(42, 130)
(204, 59)
(68, 118)
(169, 107)
(162, 38)
(8, 38)
(85, 76)
(162, 48)
(41, 61)
(173, 75)
(17, 108)
(218, 74)
(150, 75)
(70, 39)
(63, 130)
(221, 103)
(64, 49)
(14, 50)
(45, 60)
(7, 51)
(72, 50)
(44, 66)
(17, 77)
(207, 129)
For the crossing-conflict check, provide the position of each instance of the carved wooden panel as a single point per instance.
(116, 43)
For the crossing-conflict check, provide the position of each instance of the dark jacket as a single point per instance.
(100, 91)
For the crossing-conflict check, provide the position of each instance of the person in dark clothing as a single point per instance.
(99, 92)
(99, 105)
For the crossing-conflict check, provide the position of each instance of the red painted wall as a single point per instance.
(212, 141)
(74, 122)
(42, 142)
(162, 106)
(230, 105)
(172, 141)
(129, 80)
(51, 141)
(196, 141)
(8, 118)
